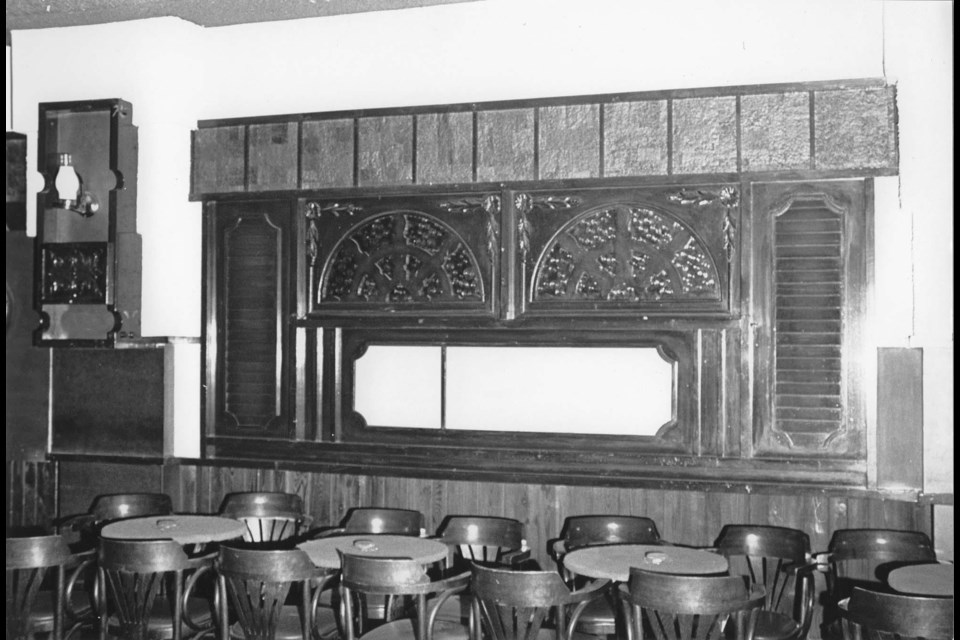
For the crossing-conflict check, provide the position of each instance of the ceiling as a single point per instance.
(42, 14)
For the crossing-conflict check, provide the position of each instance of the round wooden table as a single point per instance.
(933, 579)
(182, 528)
(613, 561)
(324, 552)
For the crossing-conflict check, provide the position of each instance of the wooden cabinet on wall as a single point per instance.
(729, 228)
(247, 303)
(298, 287)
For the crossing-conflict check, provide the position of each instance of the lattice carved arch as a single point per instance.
(629, 253)
(401, 257)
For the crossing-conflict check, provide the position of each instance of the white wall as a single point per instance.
(175, 73)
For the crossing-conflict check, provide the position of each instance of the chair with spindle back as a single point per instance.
(404, 590)
(253, 586)
(30, 610)
(485, 539)
(400, 522)
(863, 558)
(520, 605)
(269, 516)
(109, 507)
(686, 607)
(777, 558)
(588, 530)
(145, 590)
(882, 616)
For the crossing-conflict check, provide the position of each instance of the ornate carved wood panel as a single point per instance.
(395, 257)
(625, 251)
(807, 305)
(252, 275)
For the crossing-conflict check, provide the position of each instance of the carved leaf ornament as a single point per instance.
(625, 253)
(401, 257)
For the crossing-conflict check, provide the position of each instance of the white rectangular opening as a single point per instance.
(629, 391)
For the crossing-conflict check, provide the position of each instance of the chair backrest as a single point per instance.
(399, 580)
(28, 560)
(769, 556)
(582, 531)
(269, 516)
(514, 605)
(256, 583)
(130, 505)
(481, 538)
(383, 520)
(684, 607)
(873, 614)
(132, 574)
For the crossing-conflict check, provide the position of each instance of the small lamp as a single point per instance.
(70, 189)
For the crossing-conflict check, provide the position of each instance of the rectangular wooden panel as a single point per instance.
(569, 141)
(327, 153)
(705, 135)
(218, 159)
(386, 150)
(444, 147)
(899, 418)
(775, 131)
(505, 145)
(635, 138)
(855, 128)
(272, 160)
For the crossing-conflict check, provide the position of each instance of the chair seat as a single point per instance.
(160, 625)
(598, 619)
(772, 625)
(404, 630)
(288, 627)
(42, 612)
(455, 609)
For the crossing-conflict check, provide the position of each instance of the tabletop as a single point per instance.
(613, 561)
(183, 528)
(934, 579)
(323, 552)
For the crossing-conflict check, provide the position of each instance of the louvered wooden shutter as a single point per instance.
(809, 274)
(808, 317)
(251, 324)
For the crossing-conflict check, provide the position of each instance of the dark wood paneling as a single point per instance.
(108, 401)
(82, 481)
(31, 493)
(847, 125)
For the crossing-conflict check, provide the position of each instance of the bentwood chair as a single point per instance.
(269, 517)
(588, 530)
(30, 610)
(685, 607)
(883, 616)
(373, 520)
(863, 558)
(527, 605)
(778, 559)
(145, 590)
(485, 539)
(409, 598)
(253, 585)
(106, 508)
